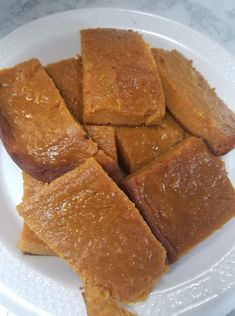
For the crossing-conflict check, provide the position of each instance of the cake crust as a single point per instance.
(29, 243)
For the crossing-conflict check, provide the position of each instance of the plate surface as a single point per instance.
(200, 283)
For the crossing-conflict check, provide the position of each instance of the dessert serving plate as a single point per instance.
(200, 283)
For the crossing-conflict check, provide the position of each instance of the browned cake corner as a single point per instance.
(194, 103)
(121, 84)
(137, 146)
(36, 128)
(104, 136)
(75, 214)
(99, 303)
(31, 186)
(109, 165)
(29, 242)
(67, 76)
(184, 196)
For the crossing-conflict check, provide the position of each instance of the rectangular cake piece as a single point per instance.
(36, 127)
(29, 242)
(121, 85)
(137, 146)
(194, 103)
(90, 223)
(67, 76)
(184, 196)
(104, 136)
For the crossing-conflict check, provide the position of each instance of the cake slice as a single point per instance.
(121, 85)
(99, 303)
(90, 223)
(184, 195)
(194, 103)
(36, 128)
(137, 146)
(29, 242)
(67, 76)
(104, 136)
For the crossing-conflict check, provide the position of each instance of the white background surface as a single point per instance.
(214, 18)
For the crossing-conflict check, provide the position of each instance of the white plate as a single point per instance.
(202, 282)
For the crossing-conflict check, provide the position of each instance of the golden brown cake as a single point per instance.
(36, 128)
(104, 136)
(121, 85)
(184, 195)
(194, 103)
(29, 242)
(91, 224)
(137, 146)
(67, 76)
(99, 303)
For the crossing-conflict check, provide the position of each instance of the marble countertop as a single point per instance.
(214, 18)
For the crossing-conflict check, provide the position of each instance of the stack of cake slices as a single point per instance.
(119, 150)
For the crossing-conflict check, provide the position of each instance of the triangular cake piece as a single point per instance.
(67, 76)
